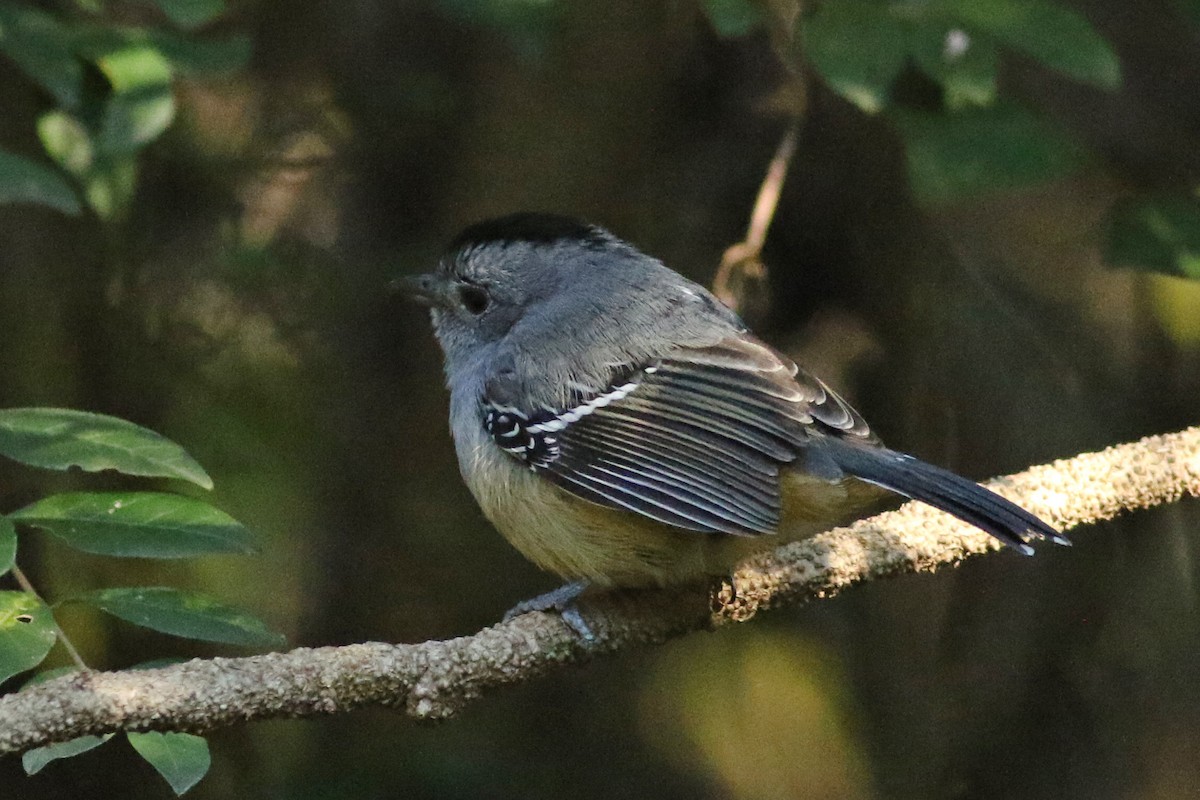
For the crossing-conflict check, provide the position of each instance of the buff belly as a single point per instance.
(580, 540)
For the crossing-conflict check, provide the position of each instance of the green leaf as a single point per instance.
(142, 105)
(858, 46)
(1045, 30)
(138, 524)
(42, 48)
(1160, 233)
(528, 25)
(34, 760)
(186, 614)
(1190, 9)
(181, 758)
(49, 675)
(94, 40)
(733, 17)
(134, 119)
(194, 55)
(974, 151)
(27, 632)
(59, 438)
(965, 65)
(110, 188)
(8, 545)
(67, 141)
(134, 65)
(1175, 305)
(25, 181)
(191, 13)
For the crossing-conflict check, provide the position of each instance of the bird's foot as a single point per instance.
(561, 600)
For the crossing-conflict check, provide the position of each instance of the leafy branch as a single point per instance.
(112, 89)
(434, 680)
(124, 524)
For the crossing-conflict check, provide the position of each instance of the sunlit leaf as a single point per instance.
(59, 438)
(1175, 304)
(41, 47)
(1045, 30)
(142, 105)
(36, 759)
(181, 758)
(138, 524)
(134, 119)
(25, 181)
(66, 140)
(981, 150)
(191, 13)
(733, 17)
(135, 66)
(1160, 233)
(109, 189)
(186, 614)
(27, 632)
(694, 706)
(858, 47)
(8, 545)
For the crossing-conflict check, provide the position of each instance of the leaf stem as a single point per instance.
(26, 586)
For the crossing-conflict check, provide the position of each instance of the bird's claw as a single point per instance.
(561, 600)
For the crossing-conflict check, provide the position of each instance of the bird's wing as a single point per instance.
(694, 439)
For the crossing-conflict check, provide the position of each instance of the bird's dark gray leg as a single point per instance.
(561, 600)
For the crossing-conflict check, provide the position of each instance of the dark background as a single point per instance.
(237, 304)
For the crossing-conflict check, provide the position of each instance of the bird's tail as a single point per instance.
(954, 494)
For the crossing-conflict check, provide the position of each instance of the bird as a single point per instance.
(622, 428)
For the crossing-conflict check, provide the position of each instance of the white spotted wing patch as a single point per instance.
(534, 438)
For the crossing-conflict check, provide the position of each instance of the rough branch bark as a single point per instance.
(433, 680)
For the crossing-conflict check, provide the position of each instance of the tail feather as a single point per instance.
(944, 490)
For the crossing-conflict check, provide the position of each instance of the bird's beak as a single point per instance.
(425, 289)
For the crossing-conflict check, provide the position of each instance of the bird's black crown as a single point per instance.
(533, 227)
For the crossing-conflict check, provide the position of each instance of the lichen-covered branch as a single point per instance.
(433, 680)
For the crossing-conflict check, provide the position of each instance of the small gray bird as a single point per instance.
(621, 427)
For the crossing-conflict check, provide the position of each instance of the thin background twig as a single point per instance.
(742, 262)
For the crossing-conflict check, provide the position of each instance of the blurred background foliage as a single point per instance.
(989, 238)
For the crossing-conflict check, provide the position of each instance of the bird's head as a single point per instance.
(498, 272)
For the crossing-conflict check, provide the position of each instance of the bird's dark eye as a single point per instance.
(474, 298)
